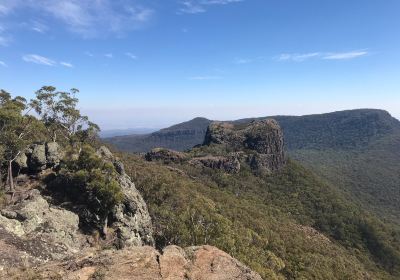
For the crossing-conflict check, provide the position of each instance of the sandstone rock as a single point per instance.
(145, 263)
(107, 155)
(54, 154)
(165, 155)
(21, 161)
(38, 231)
(37, 159)
(229, 164)
(262, 140)
(131, 219)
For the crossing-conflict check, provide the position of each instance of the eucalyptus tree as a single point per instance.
(18, 129)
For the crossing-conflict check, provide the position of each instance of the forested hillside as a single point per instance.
(356, 150)
(289, 225)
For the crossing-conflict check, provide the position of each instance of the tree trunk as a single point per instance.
(105, 227)
(10, 176)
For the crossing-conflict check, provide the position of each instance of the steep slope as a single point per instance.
(180, 137)
(357, 151)
(285, 224)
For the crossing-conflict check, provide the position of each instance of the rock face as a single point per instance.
(229, 164)
(261, 140)
(145, 263)
(165, 155)
(131, 219)
(39, 157)
(33, 232)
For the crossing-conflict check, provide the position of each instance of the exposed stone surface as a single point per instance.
(263, 140)
(131, 219)
(165, 155)
(38, 157)
(229, 164)
(54, 154)
(145, 263)
(38, 228)
(37, 231)
(107, 155)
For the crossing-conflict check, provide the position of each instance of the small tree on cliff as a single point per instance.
(17, 130)
(63, 121)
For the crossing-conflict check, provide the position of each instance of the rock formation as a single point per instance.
(261, 140)
(39, 157)
(144, 263)
(258, 144)
(165, 155)
(40, 227)
(229, 164)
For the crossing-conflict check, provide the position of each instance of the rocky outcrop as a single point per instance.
(131, 219)
(43, 224)
(37, 232)
(229, 164)
(261, 140)
(165, 155)
(145, 263)
(38, 157)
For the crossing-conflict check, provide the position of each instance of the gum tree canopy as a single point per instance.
(51, 116)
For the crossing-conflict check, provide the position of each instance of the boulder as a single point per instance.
(54, 154)
(37, 158)
(37, 232)
(21, 162)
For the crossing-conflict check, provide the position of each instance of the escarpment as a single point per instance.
(227, 146)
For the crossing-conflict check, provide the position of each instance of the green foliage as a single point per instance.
(289, 225)
(89, 181)
(59, 113)
(17, 130)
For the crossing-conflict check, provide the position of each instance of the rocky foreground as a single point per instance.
(143, 263)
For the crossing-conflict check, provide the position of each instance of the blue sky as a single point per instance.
(157, 62)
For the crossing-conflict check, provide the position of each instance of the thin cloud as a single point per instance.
(2, 63)
(38, 59)
(109, 55)
(89, 54)
(243, 61)
(200, 6)
(320, 55)
(39, 27)
(131, 55)
(87, 18)
(345, 55)
(66, 64)
(204, 78)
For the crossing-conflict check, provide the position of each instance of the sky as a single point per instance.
(153, 63)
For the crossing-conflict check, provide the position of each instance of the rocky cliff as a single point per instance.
(226, 146)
